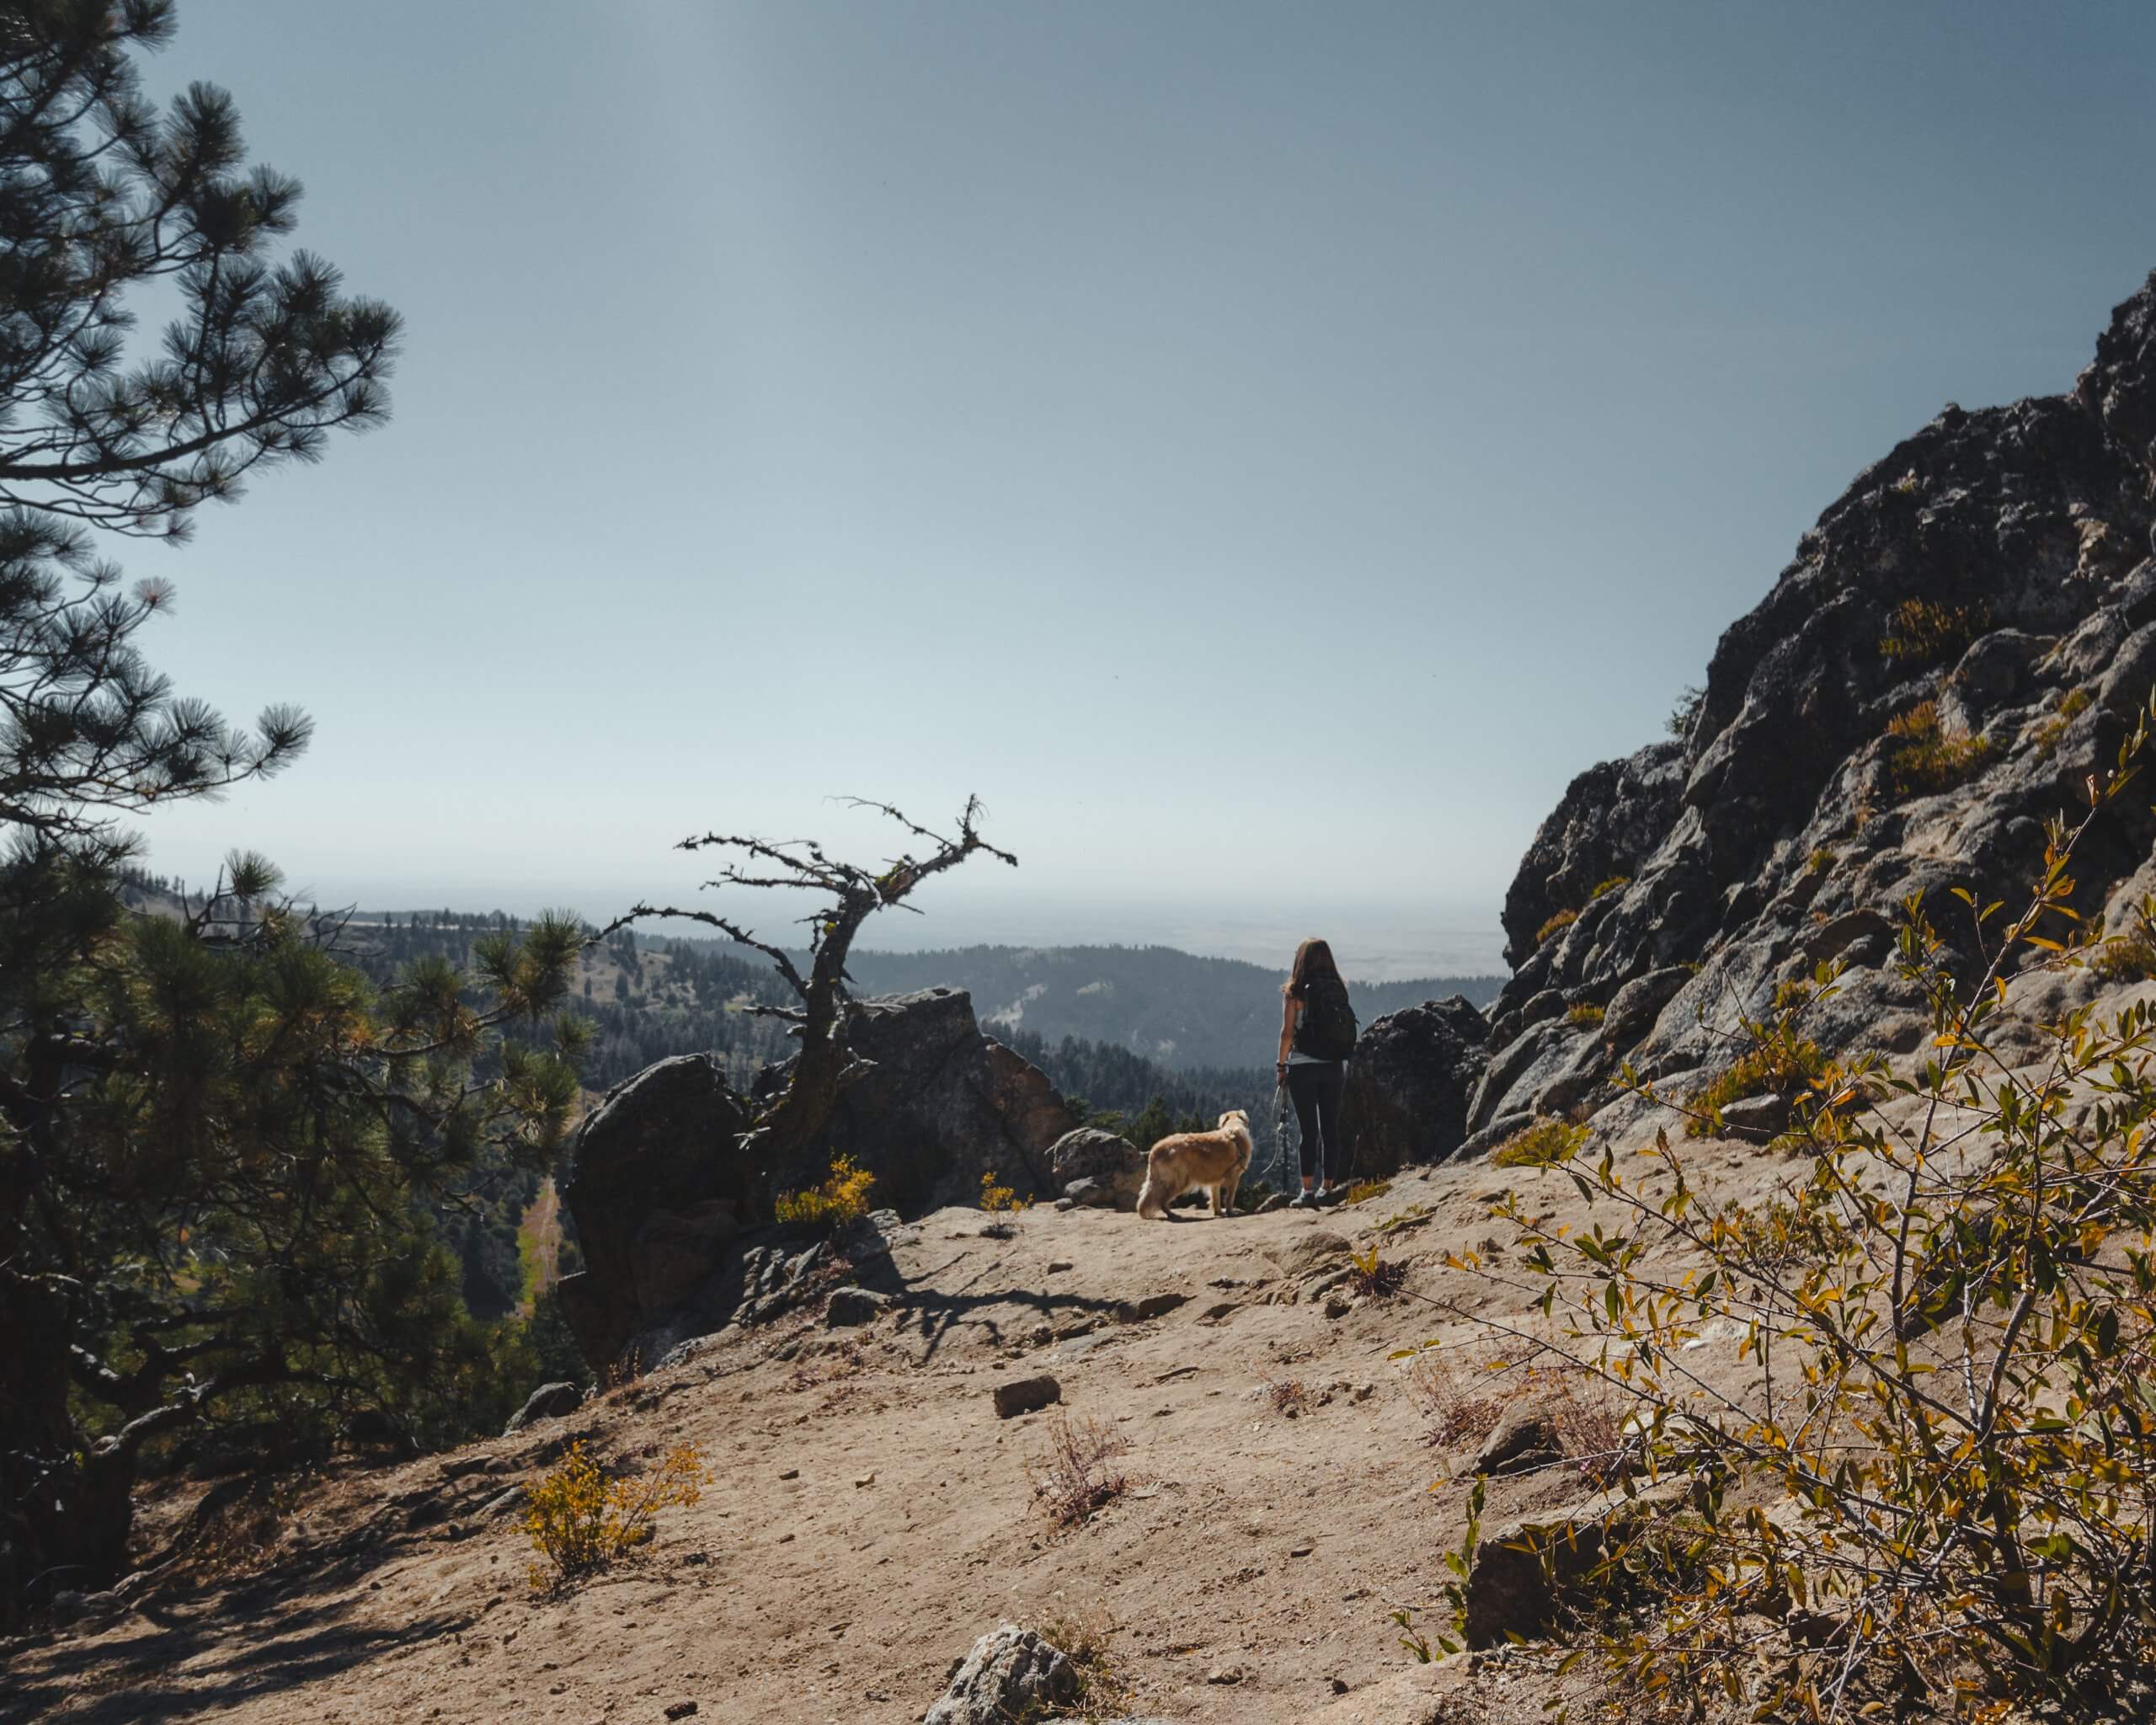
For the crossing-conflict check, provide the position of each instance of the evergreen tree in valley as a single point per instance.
(221, 1153)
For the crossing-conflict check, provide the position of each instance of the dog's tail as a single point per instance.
(1149, 1201)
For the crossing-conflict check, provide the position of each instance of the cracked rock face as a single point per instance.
(1990, 579)
(1010, 1674)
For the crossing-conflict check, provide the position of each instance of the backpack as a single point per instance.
(1326, 1030)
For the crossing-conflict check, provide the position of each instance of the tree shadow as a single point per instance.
(139, 1668)
(934, 1313)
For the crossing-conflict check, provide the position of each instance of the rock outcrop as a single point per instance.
(1409, 1086)
(1110, 1169)
(1962, 640)
(674, 1217)
(1010, 1674)
(937, 1105)
(547, 1402)
(654, 1172)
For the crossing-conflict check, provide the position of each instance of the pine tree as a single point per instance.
(221, 1152)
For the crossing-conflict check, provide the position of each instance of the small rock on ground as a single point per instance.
(1010, 1674)
(1017, 1395)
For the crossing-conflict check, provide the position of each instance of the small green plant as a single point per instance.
(993, 1197)
(2129, 957)
(1821, 860)
(1583, 1015)
(1372, 1277)
(1923, 756)
(1616, 882)
(580, 1521)
(1778, 1059)
(1407, 1218)
(1557, 925)
(1546, 1143)
(1415, 1644)
(1923, 631)
(1366, 1188)
(841, 1199)
(1686, 712)
(2046, 735)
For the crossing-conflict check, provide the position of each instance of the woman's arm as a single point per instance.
(1289, 1006)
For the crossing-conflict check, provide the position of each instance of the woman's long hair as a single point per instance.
(1313, 962)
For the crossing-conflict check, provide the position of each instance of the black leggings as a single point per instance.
(1315, 1089)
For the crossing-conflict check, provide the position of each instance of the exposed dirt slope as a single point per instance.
(870, 1515)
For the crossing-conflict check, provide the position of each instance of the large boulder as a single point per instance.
(674, 1218)
(1409, 1086)
(1010, 1674)
(1114, 1166)
(937, 1105)
(654, 1173)
(547, 1402)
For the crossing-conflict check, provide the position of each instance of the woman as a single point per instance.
(1317, 1031)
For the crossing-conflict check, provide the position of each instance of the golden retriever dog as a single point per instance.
(1215, 1161)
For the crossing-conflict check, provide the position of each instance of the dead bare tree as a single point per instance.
(791, 1121)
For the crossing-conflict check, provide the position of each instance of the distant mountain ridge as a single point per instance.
(1175, 1008)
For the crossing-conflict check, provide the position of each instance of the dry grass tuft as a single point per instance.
(1103, 1691)
(1078, 1475)
(1288, 1396)
(1923, 756)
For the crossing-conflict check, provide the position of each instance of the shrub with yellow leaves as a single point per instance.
(993, 1197)
(1934, 1474)
(841, 1199)
(580, 1521)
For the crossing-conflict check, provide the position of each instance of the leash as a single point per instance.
(1280, 1135)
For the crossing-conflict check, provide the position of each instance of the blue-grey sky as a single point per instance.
(1264, 450)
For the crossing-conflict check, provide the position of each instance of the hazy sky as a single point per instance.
(1265, 451)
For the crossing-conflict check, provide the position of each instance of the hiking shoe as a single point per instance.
(1305, 1200)
(1329, 1194)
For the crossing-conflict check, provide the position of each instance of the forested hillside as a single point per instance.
(1182, 1011)
(648, 999)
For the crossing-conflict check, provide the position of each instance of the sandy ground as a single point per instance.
(869, 1515)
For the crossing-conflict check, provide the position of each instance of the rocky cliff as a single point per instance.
(1963, 638)
(675, 1216)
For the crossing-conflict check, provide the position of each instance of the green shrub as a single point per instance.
(1616, 882)
(1548, 1143)
(1585, 1014)
(1923, 756)
(1923, 631)
(1821, 860)
(1925, 1485)
(1779, 1061)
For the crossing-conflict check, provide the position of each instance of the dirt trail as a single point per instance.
(539, 1244)
(870, 1515)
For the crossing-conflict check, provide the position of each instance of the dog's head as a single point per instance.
(1235, 1120)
